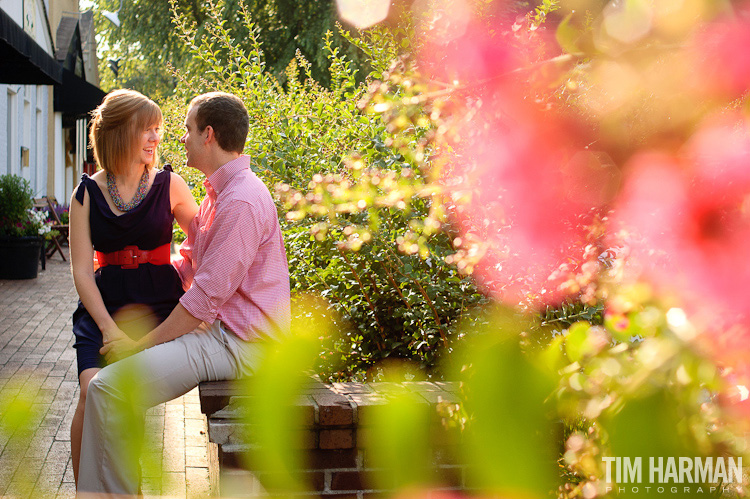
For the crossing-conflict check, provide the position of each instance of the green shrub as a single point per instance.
(388, 300)
(17, 216)
(15, 201)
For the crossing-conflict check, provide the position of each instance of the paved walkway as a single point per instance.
(38, 371)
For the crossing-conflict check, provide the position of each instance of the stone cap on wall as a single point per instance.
(331, 413)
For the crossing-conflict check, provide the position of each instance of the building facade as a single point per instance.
(48, 86)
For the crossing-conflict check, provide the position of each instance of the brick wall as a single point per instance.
(333, 437)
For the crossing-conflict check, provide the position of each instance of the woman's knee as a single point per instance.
(84, 381)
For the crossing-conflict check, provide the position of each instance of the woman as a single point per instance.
(122, 216)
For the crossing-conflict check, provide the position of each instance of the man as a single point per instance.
(235, 272)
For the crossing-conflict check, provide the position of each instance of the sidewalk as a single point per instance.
(37, 363)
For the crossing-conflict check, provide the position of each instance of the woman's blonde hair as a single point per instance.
(116, 126)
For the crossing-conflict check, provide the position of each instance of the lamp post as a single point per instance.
(114, 65)
(112, 16)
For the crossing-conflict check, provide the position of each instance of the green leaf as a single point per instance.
(575, 341)
(567, 36)
(553, 357)
(510, 443)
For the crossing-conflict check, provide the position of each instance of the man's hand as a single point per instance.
(119, 348)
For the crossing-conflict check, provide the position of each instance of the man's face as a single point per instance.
(192, 140)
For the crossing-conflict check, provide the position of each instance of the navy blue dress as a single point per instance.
(137, 299)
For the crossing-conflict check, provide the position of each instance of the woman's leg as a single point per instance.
(76, 427)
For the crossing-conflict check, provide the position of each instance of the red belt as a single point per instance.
(130, 257)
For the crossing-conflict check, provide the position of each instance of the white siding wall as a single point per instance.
(10, 115)
(39, 161)
(23, 123)
(14, 8)
(73, 174)
(26, 125)
(59, 161)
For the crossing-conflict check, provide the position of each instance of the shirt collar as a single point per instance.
(219, 179)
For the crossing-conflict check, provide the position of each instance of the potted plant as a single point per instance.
(21, 229)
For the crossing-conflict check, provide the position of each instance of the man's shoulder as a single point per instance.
(246, 186)
(247, 180)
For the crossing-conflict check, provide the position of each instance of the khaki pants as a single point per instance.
(121, 393)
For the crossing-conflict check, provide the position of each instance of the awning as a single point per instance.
(76, 97)
(22, 60)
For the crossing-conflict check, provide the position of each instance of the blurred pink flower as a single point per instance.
(537, 192)
(533, 183)
(692, 210)
(474, 58)
(721, 56)
(484, 58)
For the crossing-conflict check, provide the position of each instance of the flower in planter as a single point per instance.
(18, 218)
(63, 213)
(41, 222)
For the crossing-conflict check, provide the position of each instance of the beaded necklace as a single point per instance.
(137, 198)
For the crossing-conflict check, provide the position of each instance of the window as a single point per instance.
(40, 154)
(13, 156)
(41, 165)
(26, 144)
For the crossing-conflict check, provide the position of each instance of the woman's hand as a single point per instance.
(115, 341)
(112, 333)
(118, 345)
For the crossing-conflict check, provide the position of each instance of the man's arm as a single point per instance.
(232, 244)
(179, 322)
(183, 262)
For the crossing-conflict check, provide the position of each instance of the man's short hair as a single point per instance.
(227, 116)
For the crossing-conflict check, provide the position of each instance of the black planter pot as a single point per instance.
(19, 257)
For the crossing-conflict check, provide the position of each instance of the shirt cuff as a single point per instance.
(197, 303)
(183, 268)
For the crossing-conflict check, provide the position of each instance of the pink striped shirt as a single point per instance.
(233, 263)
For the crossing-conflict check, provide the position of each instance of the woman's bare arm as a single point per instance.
(184, 206)
(82, 265)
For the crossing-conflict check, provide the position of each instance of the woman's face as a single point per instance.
(149, 140)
